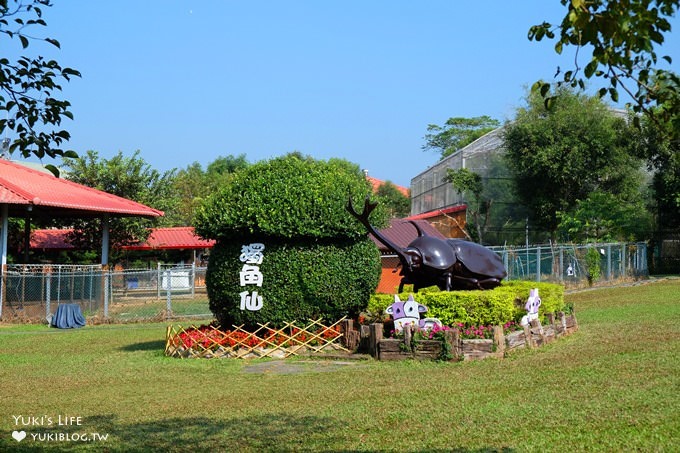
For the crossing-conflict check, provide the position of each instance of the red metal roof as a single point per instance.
(173, 238)
(437, 212)
(21, 186)
(376, 183)
(160, 238)
(401, 233)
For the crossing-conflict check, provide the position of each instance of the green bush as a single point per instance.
(288, 197)
(301, 281)
(491, 307)
(593, 265)
(317, 260)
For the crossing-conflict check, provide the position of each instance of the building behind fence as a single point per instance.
(34, 291)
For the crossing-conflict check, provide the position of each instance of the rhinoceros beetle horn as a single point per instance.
(417, 227)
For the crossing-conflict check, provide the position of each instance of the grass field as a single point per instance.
(612, 386)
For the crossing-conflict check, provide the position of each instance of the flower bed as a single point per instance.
(467, 342)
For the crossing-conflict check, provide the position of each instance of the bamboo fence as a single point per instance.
(289, 340)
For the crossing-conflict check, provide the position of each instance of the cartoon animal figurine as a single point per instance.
(533, 302)
(408, 312)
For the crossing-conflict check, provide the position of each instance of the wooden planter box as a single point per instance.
(532, 336)
(394, 349)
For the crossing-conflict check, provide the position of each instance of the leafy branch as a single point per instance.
(27, 87)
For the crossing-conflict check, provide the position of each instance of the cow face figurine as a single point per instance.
(408, 312)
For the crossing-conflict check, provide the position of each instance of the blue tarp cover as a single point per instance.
(68, 316)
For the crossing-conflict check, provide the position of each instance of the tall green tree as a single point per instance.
(129, 177)
(617, 42)
(193, 184)
(396, 204)
(663, 157)
(456, 133)
(29, 86)
(559, 156)
(470, 185)
(602, 217)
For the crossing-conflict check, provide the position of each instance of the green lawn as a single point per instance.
(612, 386)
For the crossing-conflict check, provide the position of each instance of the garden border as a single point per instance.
(292, 340)
(532, 336)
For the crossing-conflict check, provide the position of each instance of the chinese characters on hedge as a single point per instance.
(251, 257)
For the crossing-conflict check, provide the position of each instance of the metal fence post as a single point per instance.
(106, 292)
(505, 263)
(622, 260)
(158, 280)
(193, 280)
(48, 294)
(2, 287)
(538, 263)
(58, 284)
(168, 303)
(609, 261)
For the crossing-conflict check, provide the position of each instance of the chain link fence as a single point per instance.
(564, 264)
(169, 291)
(567, 263)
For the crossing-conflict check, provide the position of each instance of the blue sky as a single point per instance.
(187, 81)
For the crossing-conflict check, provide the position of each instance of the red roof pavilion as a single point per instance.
(23, 188)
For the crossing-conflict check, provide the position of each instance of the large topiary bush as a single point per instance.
(317, 260)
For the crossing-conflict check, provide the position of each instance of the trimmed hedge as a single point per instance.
(318, 260)
(289, 197)
(301, 281)
(490, 307)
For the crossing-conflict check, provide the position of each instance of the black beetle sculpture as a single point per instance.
(449, 264)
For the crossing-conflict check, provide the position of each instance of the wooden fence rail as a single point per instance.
(289, 340)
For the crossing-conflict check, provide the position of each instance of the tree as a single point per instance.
(395, 203)
(28, 86)
(621, 37)
(456, 133)
(470, 183)
(561, 155)
(602, 217)
(128, 177)
(663, 159)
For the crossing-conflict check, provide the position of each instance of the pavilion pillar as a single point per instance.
(105, 240)
(4, 225)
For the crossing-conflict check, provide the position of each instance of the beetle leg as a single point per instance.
(493, 281)
(469, 281)
(447, 276)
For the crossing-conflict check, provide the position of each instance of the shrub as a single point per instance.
(490, 307)
(289, 197)
(301, 281)
(593, 265)
(317, 261)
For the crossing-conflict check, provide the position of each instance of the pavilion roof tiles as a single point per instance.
(159, 239)
(21, 187)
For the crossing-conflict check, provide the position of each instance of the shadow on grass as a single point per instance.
(277, 432)
(155, 345)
